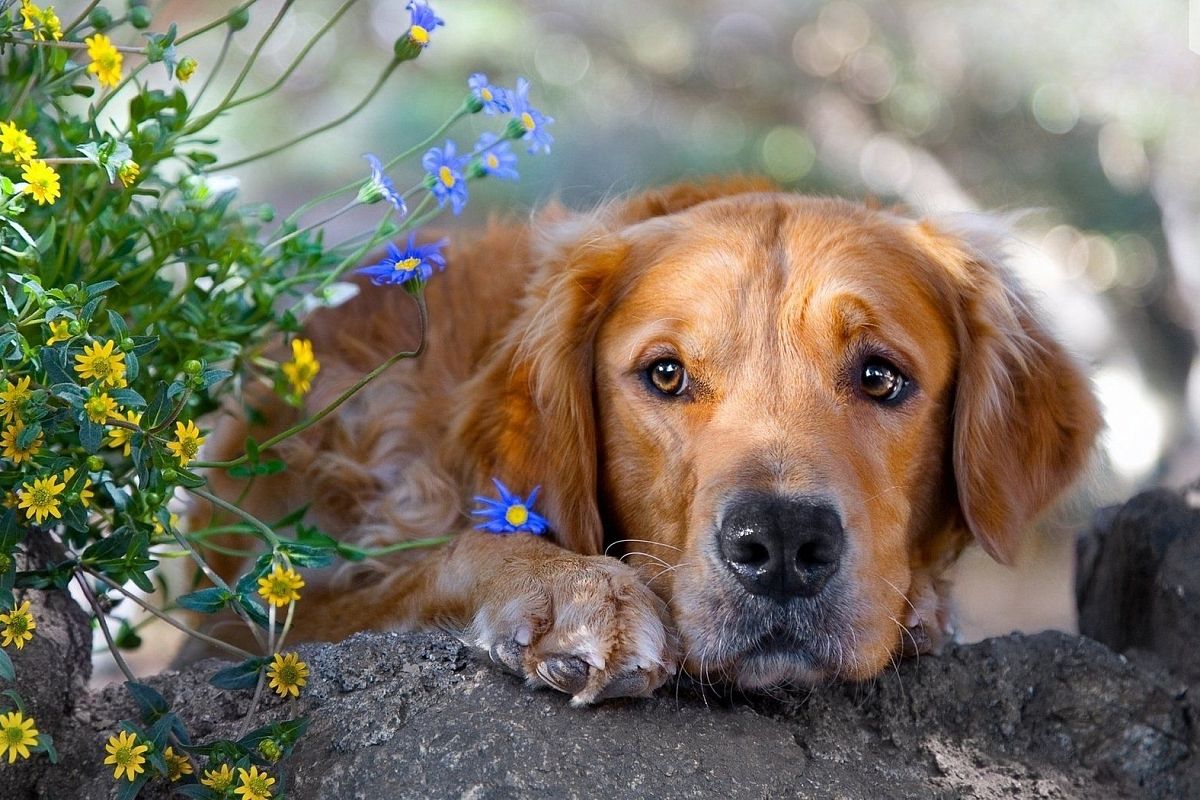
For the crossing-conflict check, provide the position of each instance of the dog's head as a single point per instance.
(788, 412)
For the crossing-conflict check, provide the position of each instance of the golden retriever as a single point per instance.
(786, 415)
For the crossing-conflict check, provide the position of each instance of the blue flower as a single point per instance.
(532, 121)
(446, 179)
(495, 159)
(510, 514)
(494, 99)
(415, 262)
(423, 21)
(380, 187)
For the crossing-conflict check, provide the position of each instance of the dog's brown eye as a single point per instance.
(882, 381)
(668, 377)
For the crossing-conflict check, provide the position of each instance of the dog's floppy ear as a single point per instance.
(529, 417)
(1024, 415)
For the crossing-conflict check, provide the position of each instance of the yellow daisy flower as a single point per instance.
(187, 442)
(42, 181)
(100, 362)
(100, 407)
(8, 443)
(302, 368)
(85, 492)
(281, 587)
(218, 779)
(19, 626)
(288, 674)
(12, 397)
(40, 498)
(128, 173)
(17, 735)
(186, 68)
(177, 764)
(17, 142)
(255, 785)
(126, 754)
(40, 22)
(59, 332)
(106, 59)
(123, 437)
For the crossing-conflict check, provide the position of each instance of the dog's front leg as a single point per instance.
(584, 625)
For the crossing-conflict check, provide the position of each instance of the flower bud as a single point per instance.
(239, 19)
(476, 169)
(153, 499)
(139, 17)
(170, 475)
(185, 69)
(406, 48)
(474, 104)
(126, 345)
(192, 367)
(515, 129)
(128, 173)
(95, 463)
(100, 19)
(270, 750)
(6, 563)
(74, 328)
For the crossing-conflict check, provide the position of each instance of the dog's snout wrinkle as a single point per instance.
(781, 547)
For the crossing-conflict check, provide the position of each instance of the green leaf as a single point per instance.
(114, 319)
(91, 435)
(126, 638)
(151, 705)
(100, 287)
(211, 376)
(128, 398)
(159, 408)
(45, 743)
(53, 363)
(7, 672)
(73, 393)
(144, 344)
(15, 696)
(206, 601)
(197, 791)
(28, 434)
(132, 366)
(307, 555)
(188, 479)
(240, 676)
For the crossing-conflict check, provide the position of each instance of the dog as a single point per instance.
(763, 426)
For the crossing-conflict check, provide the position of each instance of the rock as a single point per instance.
(419, 715)
(1138, 579)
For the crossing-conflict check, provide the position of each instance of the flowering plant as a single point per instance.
(136, 294)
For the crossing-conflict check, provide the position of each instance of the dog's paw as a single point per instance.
(584, 625)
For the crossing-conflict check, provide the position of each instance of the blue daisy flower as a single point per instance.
(495, 158)
(494, 99)
(510, 514)
(380, 187)
(415, 262)
(532, 121)
(446, 179)
(422, 21)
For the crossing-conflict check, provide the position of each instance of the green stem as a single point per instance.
(308, 228)
(108, 637)
(216, 67)
(324, 412)
(379, 82)
(83, 15)
(209, 26)
(237, 651)
(268, 535)
(218, 581)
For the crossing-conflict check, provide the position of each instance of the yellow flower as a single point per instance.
(100, 362)
(40, 22)
(288, 674)
(187, 442)
(218, 779)
(85, 492)
(8, 440)
(177, 764)
(59, 332)
(106, 59)
(17, 734)
(281, 587)
(19, 625)
(255, 785)
(123, 437)
(100, 407)
(128, 173)
(13, 397)
(42, 181)
(302, 368)
(17, 141)
(41, 498)
(125, 752)
(172, 520)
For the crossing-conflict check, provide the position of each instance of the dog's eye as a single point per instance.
(882, 381)
(668, 377)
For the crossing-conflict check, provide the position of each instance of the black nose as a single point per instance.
(781, 547)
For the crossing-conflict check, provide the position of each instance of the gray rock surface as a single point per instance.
(415, 715)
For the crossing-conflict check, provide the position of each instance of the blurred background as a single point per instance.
(1083, 112)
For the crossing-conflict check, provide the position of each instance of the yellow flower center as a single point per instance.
(418, 35)
(486, 94)
(41, 496)
(287, 674)
(101, 368)
(190, 448)
(409, 263)
(18, 625)
(492, 161)
(123, 755)
(14, 736)
(517, 515)
(446, 177)
(258, 785)
(527, 121)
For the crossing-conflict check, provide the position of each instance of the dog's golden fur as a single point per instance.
(537, 345)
